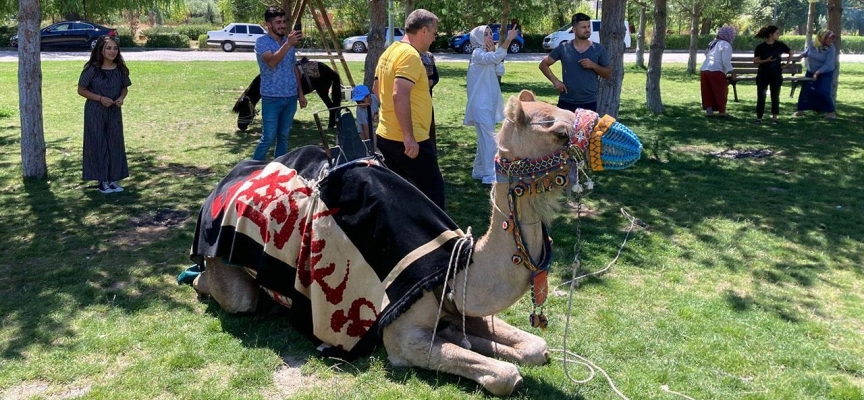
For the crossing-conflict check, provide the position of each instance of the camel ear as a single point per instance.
(514, 111)
(527, 95)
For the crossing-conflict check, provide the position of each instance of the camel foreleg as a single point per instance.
(407, 341)
(493, 337)
(230, 285)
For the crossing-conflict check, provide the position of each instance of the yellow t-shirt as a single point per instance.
(401, 60)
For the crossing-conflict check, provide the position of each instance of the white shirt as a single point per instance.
(485, 103)
(719, 58)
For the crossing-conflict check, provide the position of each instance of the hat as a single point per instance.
(609, 144)
(360, 92)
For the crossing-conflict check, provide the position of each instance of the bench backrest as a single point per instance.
(744, 65)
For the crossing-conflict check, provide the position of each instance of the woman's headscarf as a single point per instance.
(726, 33)
(478, 40)
(822, 36)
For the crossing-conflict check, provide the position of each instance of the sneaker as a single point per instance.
(830, 115)
(774, 121)
(798, 114)
(758, 121)
(115, 187)
(104, 188)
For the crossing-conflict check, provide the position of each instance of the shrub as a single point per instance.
(158, 30)
(202, 41)
(126, 40)
(6, 112)
(169, 41)
(6, 33)
(533, 41)
(194, 31)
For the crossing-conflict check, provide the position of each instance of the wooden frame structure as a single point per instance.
(328, 36)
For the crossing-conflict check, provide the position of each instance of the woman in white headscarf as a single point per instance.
(485, 105)
(712, 76)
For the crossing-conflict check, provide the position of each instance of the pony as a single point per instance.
(313, 76)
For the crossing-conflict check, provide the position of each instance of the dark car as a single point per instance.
(70, 35)
(462, 43)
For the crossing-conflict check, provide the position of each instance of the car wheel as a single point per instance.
(93, 43)
(514, 48)
(228, 46)
(358, 47)
(466, 48)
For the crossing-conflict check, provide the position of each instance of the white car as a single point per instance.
(566, 34)
(235, 35)
(359, 44)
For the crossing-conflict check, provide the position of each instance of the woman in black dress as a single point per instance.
(104, 82)
(767, 55)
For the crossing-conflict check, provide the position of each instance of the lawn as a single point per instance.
(742, 279)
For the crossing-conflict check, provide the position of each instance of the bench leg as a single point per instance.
(735, 90)
(794, 86)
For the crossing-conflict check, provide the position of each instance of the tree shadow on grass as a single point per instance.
(90, 249)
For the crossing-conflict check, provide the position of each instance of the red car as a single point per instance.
(70, 34)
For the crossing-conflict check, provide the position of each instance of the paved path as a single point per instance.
(206, 55)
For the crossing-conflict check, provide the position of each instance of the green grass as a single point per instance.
(743, 279)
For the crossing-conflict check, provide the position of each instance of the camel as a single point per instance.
(471, 342)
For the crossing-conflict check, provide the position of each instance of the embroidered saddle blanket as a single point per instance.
(347, 249)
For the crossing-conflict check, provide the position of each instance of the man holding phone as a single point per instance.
(280, 89)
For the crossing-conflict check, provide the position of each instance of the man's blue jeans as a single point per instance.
(277, 116)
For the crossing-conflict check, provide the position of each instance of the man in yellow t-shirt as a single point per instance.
(406, 107)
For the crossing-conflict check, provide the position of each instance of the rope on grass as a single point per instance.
(590, 366)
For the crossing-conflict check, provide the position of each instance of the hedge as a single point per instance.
(202, 41)
(851, 44)
(195, 31)
(126, 41)
(167, 41)
(6, 33)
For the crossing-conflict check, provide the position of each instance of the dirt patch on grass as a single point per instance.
(42, 389)
(737, 154)
(149, 228)
(288, 380)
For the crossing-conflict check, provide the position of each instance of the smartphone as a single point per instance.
(298, 26)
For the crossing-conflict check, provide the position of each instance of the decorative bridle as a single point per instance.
(563, 168)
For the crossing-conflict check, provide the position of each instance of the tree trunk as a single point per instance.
(653, 100)
(377, 20)
(707, 23)
(33, 163)
(811, 15)
(696, 12)
(640, 38)
(612, 38)
(835, 24)
(409, 7)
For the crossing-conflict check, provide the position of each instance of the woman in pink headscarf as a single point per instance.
(485, 105)
(718, 63)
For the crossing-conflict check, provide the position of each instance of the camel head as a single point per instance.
(539, 139)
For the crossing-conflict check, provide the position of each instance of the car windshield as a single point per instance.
(564, 28)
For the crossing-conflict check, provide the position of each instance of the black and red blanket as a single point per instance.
(347, 249)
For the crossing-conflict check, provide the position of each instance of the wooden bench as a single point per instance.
(744, 70)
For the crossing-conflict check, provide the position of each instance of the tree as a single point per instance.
(640, 34)
(33, 163)
(653, 100)
(377, 16)
(612, 38)
(695, 14)
(835, 21)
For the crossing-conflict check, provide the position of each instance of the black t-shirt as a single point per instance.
(765, 51)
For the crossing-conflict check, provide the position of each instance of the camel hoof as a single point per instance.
(505, 384)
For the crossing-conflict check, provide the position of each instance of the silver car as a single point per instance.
(235, 35)
(359, 44)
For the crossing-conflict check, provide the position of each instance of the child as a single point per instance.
(367, 108)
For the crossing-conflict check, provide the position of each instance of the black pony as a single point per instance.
(313, 76)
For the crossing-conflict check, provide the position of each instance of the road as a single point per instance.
(217, 55)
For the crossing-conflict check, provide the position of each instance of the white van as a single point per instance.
(566, 33)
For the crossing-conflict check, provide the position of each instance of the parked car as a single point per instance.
(235, 35)
(359, 44)
(565, 33)
(462, 43)
(69, 35)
